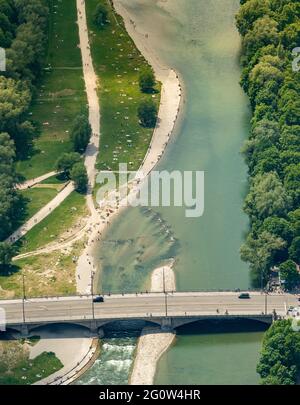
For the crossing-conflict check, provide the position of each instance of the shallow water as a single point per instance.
(199, 39)
(113, 366)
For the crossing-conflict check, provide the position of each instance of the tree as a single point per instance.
(9, 198)
(79, 176)
(260, 253)
(147, 113)
(264, 33)
(294, 250)
(279, 361)
(289, 139)
(147, 81)
(101, 15)
(265, 134)
(294, 218)
(279, 227)
(14, 101)
(289, 274)
(6, 254)
(250, 11)
(81, 133)
(66, 162)
(268, 161)
(264, 74)
(292, 182)
(291, 35)
(267, 197)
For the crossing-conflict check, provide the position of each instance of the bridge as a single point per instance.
(168, 310)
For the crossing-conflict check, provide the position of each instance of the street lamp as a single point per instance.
(92, 292)
(164, 281)
(165, 292)
(264, 290)
(24, 297)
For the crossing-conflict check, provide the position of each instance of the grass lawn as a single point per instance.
(49, 274)
(61, 95)
(118, 64)
(36, 199)
(59, 222)
(59, 179)
(17, 369)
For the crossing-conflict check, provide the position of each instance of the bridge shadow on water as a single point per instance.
(133, 328)
(206, 327)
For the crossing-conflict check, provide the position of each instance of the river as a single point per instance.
(199, 39)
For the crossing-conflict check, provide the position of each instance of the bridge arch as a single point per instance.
(180, 324)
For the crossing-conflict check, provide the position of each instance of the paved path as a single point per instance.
(32, 182)
(142, 305)
(42, 214)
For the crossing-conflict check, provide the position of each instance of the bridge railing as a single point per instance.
(145, 292)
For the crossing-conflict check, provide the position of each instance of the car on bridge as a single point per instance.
(244, 296)
(98, 299)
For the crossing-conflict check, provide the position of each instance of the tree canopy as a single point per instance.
(270, 30)
(81, 133)
(147, 113)
(280, 356)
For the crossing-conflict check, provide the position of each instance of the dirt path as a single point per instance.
(86, 265)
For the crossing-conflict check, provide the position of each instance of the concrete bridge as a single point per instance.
(168, 310)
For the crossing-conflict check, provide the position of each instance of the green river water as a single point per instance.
(199, 39)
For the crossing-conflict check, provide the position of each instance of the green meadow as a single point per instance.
(118, 64)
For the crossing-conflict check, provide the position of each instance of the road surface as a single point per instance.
(145, 305)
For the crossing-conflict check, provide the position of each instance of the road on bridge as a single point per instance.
(144, 305)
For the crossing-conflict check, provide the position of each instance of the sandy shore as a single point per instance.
(153, 341)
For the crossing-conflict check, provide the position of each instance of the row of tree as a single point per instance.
(23, 29)
(270, 31)
(23, 34)
(71, 164)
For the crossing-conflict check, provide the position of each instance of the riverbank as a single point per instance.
(153, 341)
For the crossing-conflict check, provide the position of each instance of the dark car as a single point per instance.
(98, 299)
(244, 296)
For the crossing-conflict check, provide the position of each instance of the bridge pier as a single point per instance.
(100, 333)
(95, 330)
(24, 331)
(166, 324)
